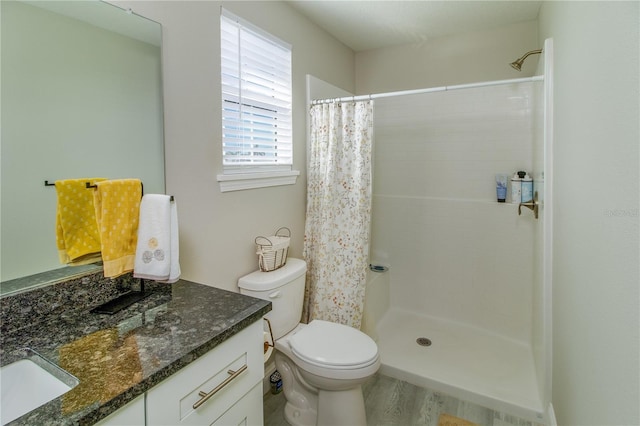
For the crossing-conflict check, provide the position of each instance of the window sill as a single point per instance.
(242, 181)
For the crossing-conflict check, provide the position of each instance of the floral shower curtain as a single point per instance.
(337, 230)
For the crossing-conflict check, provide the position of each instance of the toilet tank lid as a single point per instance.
(263, 281)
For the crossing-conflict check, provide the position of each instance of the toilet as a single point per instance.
(322, 364)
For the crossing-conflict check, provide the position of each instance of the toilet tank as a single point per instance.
(284, 288)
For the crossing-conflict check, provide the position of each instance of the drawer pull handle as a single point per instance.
(205, 396)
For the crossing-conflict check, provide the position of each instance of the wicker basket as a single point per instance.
(272, 251)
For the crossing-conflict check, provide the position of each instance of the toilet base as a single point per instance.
(327, 416)
(352, 412)
(302, 399)
(296, 416)
(309, 406)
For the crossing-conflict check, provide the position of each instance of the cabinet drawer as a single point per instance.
(227, 373)
(246, 412)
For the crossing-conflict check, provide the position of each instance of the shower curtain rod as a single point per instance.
(429, 90)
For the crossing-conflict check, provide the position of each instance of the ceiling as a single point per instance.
(368, 24)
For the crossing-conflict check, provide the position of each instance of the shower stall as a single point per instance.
(461, 300)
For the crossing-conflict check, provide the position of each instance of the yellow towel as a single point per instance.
(77, 236)
(117, 204)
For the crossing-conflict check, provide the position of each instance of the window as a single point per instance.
(256, 104)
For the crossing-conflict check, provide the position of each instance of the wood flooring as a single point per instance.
(391, 402)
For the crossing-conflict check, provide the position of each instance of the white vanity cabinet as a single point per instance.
(230, 374)
(217, 388)
(247, 411)
(131, 414)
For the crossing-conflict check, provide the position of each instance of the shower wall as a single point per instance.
(454, 252)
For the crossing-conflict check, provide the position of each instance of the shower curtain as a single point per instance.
(337, 230)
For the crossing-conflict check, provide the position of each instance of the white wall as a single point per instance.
(319, 89)
(463, 58)
(217, 230)
(596, 308)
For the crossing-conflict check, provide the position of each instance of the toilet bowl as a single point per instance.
(322, 364)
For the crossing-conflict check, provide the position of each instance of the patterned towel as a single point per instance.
(77, 236)
(157, 251)
(117, 205)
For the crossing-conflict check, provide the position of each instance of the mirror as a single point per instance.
(81, 97)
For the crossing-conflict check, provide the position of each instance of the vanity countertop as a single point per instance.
(118, 357)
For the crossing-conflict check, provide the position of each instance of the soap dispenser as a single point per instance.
(516, 187)
(527, 189)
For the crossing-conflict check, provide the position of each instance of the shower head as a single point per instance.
(517, 65)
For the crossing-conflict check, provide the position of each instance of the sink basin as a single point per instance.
(29, 383)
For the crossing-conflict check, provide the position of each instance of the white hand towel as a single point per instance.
(174, 273)
(157, 248)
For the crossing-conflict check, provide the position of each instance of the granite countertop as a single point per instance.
(118, 357)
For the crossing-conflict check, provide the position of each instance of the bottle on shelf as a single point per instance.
(527, 189)
(516, 187)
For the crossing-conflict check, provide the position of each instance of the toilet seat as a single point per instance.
(333, 346)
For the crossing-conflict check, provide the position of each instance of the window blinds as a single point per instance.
(256, 97)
